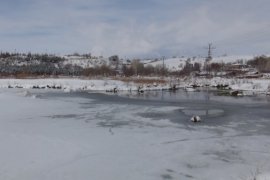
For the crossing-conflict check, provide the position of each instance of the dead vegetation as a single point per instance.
(141, 80)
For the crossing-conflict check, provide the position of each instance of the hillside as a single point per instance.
(19, 65)
(177, 64)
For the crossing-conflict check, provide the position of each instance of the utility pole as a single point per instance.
(163, 65)
(210, 48)
(209, 57)
(207, 68)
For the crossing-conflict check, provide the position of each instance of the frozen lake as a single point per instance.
(67, 136)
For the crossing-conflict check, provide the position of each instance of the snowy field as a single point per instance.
(48, 135)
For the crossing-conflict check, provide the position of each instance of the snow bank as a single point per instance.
(66, 84)
(254, 85)
(77, 84)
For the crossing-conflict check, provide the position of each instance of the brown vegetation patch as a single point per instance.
(141, 80)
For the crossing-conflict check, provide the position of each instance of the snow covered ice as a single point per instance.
(82, 136)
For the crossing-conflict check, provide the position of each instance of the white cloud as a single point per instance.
(152, 28)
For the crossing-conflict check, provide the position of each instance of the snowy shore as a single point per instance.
(71, 84)
(80, 84)
(252, 85)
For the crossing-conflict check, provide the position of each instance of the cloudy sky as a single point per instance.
(136, 28)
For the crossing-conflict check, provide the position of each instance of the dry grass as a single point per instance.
(25, 76)
(141, 80)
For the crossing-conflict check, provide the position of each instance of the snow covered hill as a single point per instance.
(178, 63)
(85, 62)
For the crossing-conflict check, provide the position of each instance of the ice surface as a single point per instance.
(91, 136)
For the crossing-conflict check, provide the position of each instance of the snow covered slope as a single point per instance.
(175, 64)
(85, 62)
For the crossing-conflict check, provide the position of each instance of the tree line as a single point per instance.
(29, 64)
(261, 63)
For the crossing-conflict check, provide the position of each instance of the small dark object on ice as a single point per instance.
(195, 119)
(237, 93)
